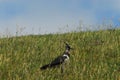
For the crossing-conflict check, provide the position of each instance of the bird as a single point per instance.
(60, 59)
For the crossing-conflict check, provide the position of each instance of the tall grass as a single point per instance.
(96, 56)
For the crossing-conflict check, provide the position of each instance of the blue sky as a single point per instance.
(49, 16)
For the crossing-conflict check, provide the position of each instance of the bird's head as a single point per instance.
(68, 47)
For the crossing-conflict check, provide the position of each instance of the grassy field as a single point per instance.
(96, 56)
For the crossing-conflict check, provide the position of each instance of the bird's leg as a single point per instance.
(62, 68)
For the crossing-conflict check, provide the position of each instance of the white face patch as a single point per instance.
(66, 56)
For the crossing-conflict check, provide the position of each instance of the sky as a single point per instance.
(50, 16)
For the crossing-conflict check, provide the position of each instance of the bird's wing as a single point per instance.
(58, 60)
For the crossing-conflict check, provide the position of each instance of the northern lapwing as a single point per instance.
(60, 59)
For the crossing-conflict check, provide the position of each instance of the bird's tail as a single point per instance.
(44, 67)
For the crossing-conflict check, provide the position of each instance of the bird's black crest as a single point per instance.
(68, 47)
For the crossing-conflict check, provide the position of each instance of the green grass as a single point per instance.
(96, 56)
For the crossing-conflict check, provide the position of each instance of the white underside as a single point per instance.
(66, 56)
